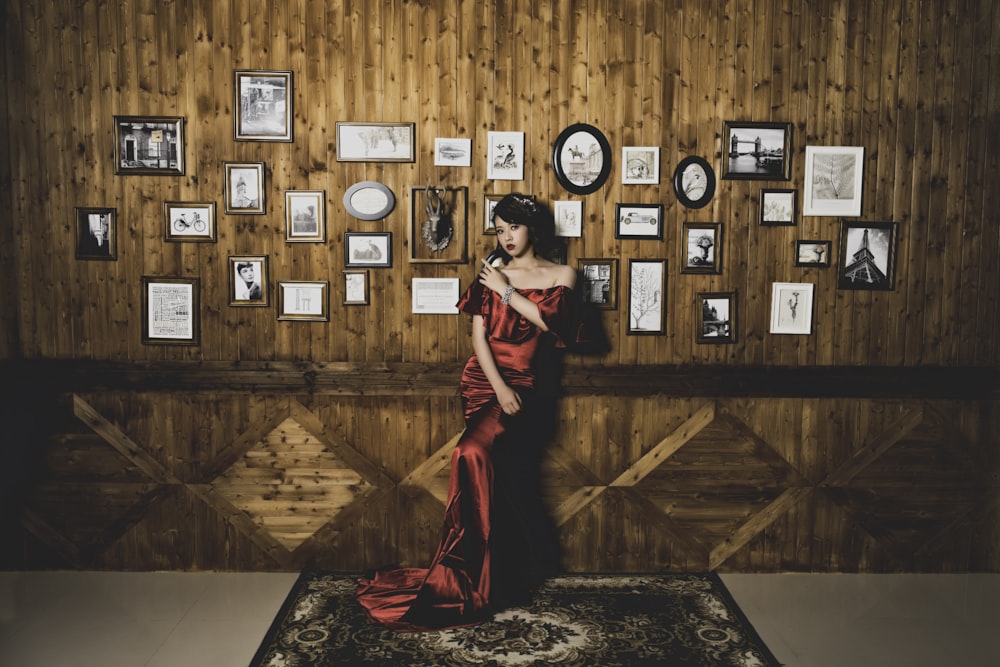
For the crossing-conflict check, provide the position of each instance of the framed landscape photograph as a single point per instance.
(640, 164)
(569, 218)
(96, 233)
(599, 282)
(694, 182)
(812, 253)
(263, 105)
(376, 142)
(244, 187)
(452, 152)
(170, 311)
(638, 221)
(191, 221)
(149, 145)
(305, 216)
(356, 287)
(833, 180)
(304, 300)
(715, 317)
(367, 249)
(867, 256)
(581, 159)
(248, 280)
(791, 308)
(702, 247)
(778, 206)
(647, 290)
(757, 151)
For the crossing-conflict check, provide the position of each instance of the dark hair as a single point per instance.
(518, 209)
(243, 265)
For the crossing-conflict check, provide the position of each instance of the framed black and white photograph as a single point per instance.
(191, 221)
(305, 216)
(368, 249)
(439, 225)
(452, 152)
(376, 142)
(170, 311)
(369, 200)
(757, 151)
(248, 280)
(791, 308)
(647, 295)
(96, 232)
(244, 188)
(812, 253)
(702, 247)
(304, 300)
(149, 145)
(568, 216)
(434, 296)
(490, 203)
(833, 180)
(581, 159)
(506, 156)
(778, 206)
(867, 256)
(640, 164)
(715, 317)
(638, 221)
(263, 105)
(356, 287)
(599, 282)
(694, 182)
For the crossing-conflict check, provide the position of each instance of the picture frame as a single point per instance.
(756, 151)
(867, 256)
(506, 156)
(369, 200)
(812, 253)
(452, 152)
(702, 247)
(376, 142)
(171, 311)
(244, 188)
(716, 318)
(639, 221)
(568, 215)
(581, 159)
(444, 241)
(249, 281)
(305, 216)
(304, 300)
(647, 295)
(367, 249)
(694, 182)
(149, 145)
(599, 282)
(640, 165)
(434, 296)
(791, 308)
(96, 233)
(263, 105)
(356, 287)
(189, 221)
(490, 203)
(778, 207)
(834, 178)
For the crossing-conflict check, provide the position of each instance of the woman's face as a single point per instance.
(514, 238)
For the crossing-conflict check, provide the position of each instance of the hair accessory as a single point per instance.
(507, 293)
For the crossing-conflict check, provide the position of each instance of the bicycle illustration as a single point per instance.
(182, 224)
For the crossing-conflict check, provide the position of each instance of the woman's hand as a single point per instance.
(493, 278)
(509, 400)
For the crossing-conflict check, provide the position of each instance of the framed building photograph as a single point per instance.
(369, 200)
(581, 159)
(244, 187)
(702, 247)
(376, 142)
(356, 288)
(715, 317)
(640, 164)
(248, 280)
(305, 216)
(867, 256)
(791, 308)
(757, 151)
(599, 282)
(149, 145)
(96, 233)
(638, 221)
(647, 296)
(304, 300)
(694, 182)
(833, 180)
(263, 105)
(778, 206)
(367, 249)
(190, 221)
(506, 156)
(812, 253)
(569, 218)
(170, 311)
(434, 296)
(452, 152)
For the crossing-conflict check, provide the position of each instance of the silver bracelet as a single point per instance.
(507, 293)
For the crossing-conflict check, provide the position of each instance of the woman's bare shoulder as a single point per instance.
(564, 275)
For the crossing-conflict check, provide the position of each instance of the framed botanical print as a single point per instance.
(791, 308)
(778, 206)
(834, 177)
(812, 253)
(647, 296)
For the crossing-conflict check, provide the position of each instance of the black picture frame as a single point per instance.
(756, 151)
(96, 233)
(812, 252)
(694, 182)
(779, 207)
(639, 221)
(867, 256)
(599, 282)
(367, 250)
(149, 145)
(647, 297)
(581, 159)
(701, 247)
(716, 317)
(171, 311)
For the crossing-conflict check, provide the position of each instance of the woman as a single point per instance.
(521, 310)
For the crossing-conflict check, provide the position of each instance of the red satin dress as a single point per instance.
(454, 590)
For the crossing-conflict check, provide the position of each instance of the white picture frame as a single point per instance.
(568, 216)
(791, 308)
(833, 181)
(435, 296)
(506, 156)
(640, 165)
(452, 152)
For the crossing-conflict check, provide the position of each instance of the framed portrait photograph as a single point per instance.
(568, 218)
(694, 182)
(833, 180)
(356, 287)
(640, 164)
(170, 311)
(581, 159)
(715, 317)
(244, 187)
(376, 142)
(305, 216)
(434, 296)
(369, 200)
(867, 256)
(702, 247)
(647, 295)
(506, 156)
(638, 221)
(96, 232)
(263, 105)
(190, 221)
(368, 249)
(599, 282)
(304, 300)
(778, 206)
(791, 308)
(452, 152)
(812, 253)
(248, 280)
(149, 145)
(757, 151)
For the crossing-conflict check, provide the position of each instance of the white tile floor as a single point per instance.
(102, 619)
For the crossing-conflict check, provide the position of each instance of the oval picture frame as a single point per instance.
(369, 200)
(575, 158)
(688, 178)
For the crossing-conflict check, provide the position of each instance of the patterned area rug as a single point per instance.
(683, 620)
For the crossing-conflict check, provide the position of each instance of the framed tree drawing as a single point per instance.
(647, 289)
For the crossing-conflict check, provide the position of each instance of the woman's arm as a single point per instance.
(509, 400)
